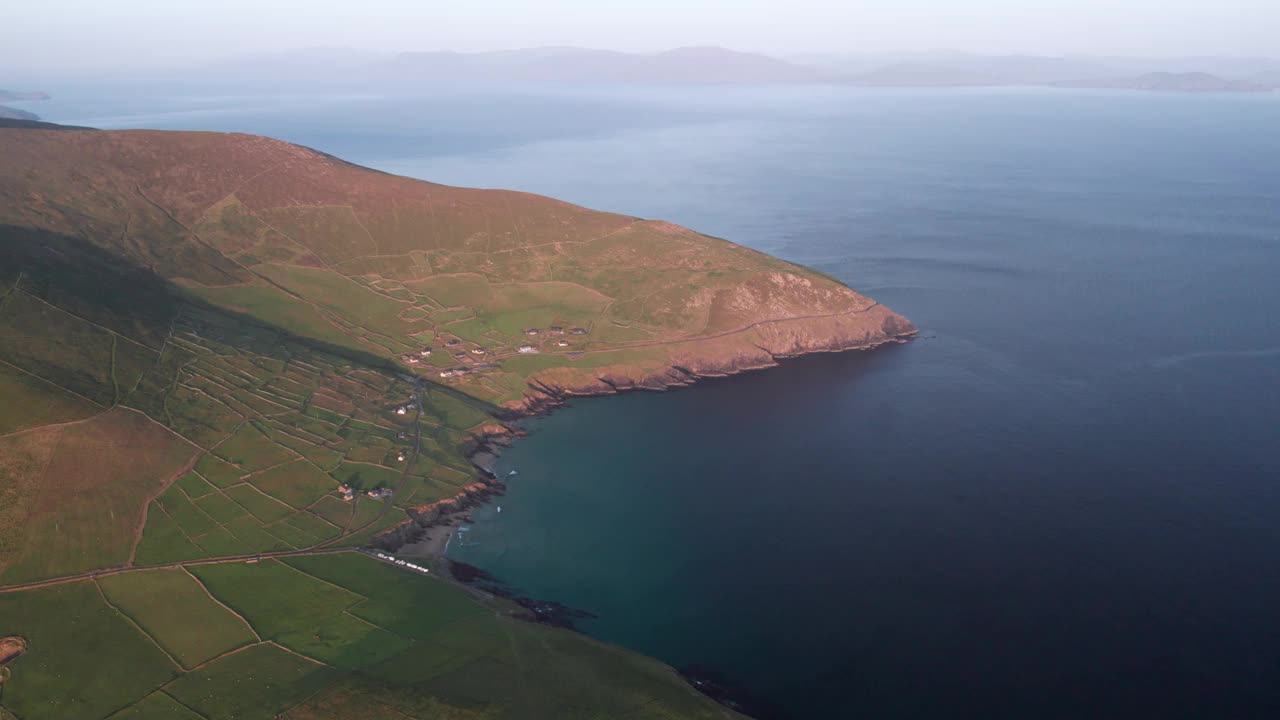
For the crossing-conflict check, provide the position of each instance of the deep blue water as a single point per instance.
(1062, 501)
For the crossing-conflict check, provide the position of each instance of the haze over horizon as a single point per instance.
(79, 35)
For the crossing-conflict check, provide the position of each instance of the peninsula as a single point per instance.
(9, 113)
(230, 367)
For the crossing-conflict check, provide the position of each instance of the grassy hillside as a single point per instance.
(390, 266)
(203, 337)
(328, 637)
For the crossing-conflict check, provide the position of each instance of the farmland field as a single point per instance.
(253, 684)
(171, 607)
(274, 597)
(156, 706)
(94, 487)
(26, 401)
(297, 484)
(83, 659)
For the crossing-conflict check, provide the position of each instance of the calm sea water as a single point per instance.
(1062, 501)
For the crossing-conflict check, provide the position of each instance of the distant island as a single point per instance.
(9, 113)
(14, 96)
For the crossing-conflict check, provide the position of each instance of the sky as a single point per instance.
(72, 34)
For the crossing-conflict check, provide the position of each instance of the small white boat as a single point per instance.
(499, 508)
(513, 472)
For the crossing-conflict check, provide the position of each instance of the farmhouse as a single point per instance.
(563, 343)
(400, 456)
(379, 493)
(527, 349)
(555, 330)
(477, 351)
(531, 331)
(402, 410)
(578, 331)
(446, 373)
(425, 352)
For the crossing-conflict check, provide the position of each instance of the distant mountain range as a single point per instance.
(692, 65)
(8, 113)
(712, 65)
(13, 95)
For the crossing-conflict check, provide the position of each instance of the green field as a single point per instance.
(298, 484)
(397, 600)
(256, 683)
(26, 401)
(83, 659)
(172, 607)
(262, 506)
(156, 706)
(252, 450)
(274, 597)
(163, 540)
(345, 636)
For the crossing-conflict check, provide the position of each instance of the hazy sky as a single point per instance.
(107, 33)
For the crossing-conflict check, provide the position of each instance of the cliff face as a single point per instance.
(755, 347)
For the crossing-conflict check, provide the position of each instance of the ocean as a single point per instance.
(1062, 500)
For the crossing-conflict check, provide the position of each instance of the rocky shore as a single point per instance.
(758, 347)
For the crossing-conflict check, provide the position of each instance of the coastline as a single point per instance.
(430, 527)
(428, 533)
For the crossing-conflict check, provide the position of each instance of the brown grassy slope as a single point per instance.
(217, 210)
(75, 493)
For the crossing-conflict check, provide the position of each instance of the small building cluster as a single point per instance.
(577, 331)
(378, 493)
(400, 456)
(425, 352)
(410, 358)
(347, 493)
(401, 563)
(402, 410)
(526, 349)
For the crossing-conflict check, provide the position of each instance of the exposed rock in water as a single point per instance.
(546, 612)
